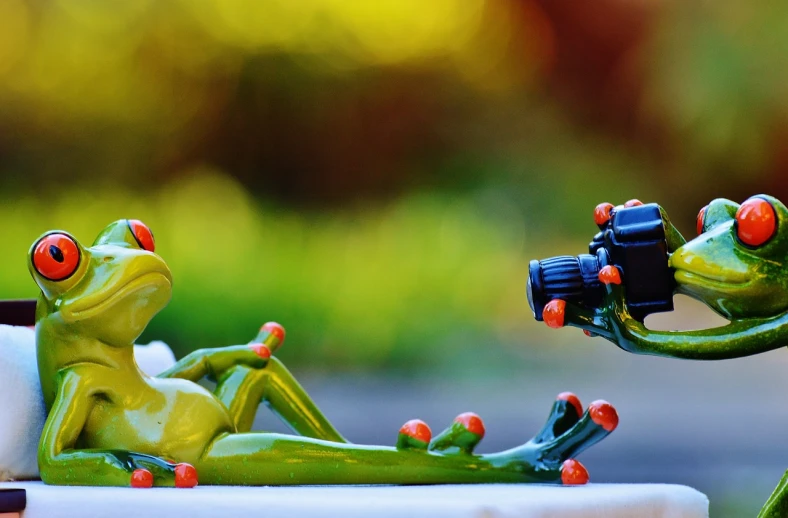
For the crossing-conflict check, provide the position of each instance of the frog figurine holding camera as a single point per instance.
(737, 265)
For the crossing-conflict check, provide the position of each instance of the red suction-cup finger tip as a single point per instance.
(633, 203)
(573, 473)
(572, 400)
(609, 275)
(417, 429)
(472, 422)
(603, 414)
(141, 478)
(553, 313)
(275, 329)
(261, 350)
(602, 213)
(588, 333)
(185, 475)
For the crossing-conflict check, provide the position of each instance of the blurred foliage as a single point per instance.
(374, 175)
(359, 287)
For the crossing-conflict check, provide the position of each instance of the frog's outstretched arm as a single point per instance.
(60, 463)
(738, 338)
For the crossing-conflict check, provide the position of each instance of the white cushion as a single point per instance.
(22, 405)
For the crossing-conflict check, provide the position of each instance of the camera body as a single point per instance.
(633, 239)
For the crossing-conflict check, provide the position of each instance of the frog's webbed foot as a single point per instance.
(567, 432)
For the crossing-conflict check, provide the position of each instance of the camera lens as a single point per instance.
(573, 279)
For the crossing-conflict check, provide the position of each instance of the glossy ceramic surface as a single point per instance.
(110, 424)
(737, 265)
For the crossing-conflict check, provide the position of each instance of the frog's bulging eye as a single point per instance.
(56, 256)
(699, 223)
(756, 222)
(142, 234)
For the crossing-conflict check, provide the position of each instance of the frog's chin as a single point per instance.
(152, 289)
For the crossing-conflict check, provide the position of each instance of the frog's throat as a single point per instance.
(76, 311)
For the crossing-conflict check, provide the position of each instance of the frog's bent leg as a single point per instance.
(242, 389)
(777, 504)
(60, 463)
(247, 375)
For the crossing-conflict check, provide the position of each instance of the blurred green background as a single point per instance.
(377, 175)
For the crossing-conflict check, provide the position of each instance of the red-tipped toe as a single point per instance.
(603, 414)
(602, 213)
(573, 473)
(261, 350)
(275, 329)
(141, 478)
(417, 429)
(572, 400)
(609, 275)
(185, 475)
(633, 203)
(472, 422)
(553, 313)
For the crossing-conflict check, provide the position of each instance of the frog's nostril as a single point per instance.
(108, 259)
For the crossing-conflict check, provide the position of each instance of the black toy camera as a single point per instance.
(633, 239)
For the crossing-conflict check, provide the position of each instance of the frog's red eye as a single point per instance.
(142, 234)
(699, 223)
(755, 222)
(56, 256)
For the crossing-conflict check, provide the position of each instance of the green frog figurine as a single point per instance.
(109, 424)
(737, 265)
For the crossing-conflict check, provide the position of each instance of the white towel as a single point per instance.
(22, 413)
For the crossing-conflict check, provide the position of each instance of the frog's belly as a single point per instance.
(176, 419)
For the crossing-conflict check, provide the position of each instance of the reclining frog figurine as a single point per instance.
(111, 425)
(737, 265)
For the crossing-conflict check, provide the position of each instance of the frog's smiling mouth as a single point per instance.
(155, 280)
(694, 279)
(697, 267)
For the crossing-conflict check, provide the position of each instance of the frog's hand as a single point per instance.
(59, 463)
(216, 362)
(593, 321)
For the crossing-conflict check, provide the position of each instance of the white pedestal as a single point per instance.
(521, 501)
